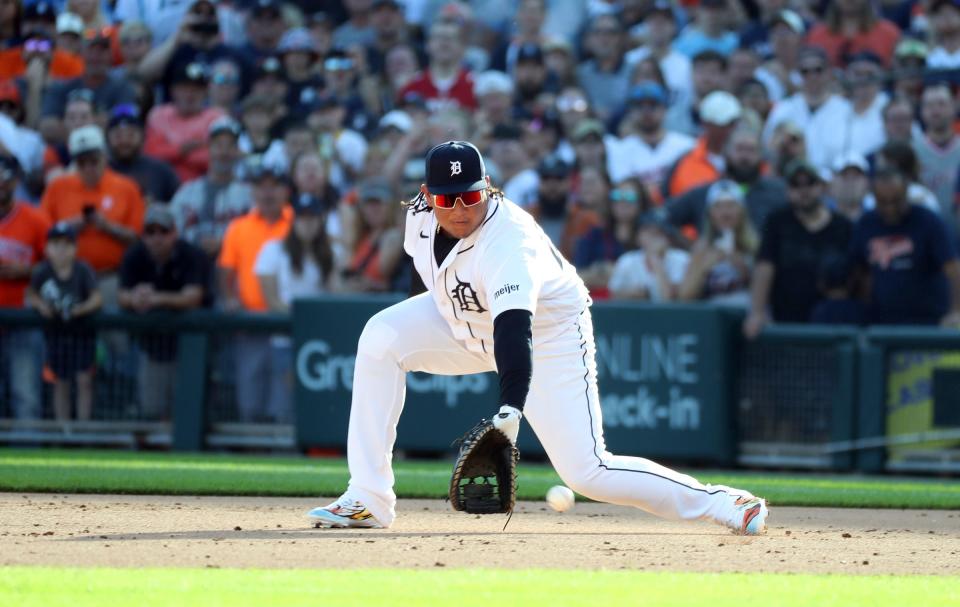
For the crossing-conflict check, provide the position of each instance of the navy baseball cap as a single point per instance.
(62, 229)
(455, 166)
(648, 91)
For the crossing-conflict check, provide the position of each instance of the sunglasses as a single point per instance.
(804, 71)
(35, 45)
(224, 79)
(338, 64)
(467, 199)
(623, 196)
(156, 230)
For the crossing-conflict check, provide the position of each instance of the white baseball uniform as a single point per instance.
(507, 263)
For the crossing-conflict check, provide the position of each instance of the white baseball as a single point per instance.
(560, 498)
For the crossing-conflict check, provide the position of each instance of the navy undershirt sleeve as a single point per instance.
(513, 351)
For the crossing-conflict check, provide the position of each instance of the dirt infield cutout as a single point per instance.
(191, 531)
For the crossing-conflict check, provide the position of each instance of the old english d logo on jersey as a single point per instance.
(466, 297)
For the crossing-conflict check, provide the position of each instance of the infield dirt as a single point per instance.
(188, 531)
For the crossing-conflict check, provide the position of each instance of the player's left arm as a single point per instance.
(512, 290)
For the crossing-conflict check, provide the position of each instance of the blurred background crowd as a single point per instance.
(798, 159)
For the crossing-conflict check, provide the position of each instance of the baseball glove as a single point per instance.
(485, 473)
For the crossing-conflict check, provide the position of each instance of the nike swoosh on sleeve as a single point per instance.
(422, 235)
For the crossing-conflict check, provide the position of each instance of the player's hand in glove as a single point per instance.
(485, 473)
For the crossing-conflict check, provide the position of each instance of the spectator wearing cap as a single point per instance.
(512, 163)
(852, 26)
(743, 165)
(647, 150)
(528, 30)
(605, 76)
(824, 116)
(161, 272)
(38, 54)
(270, 83)
(298, 54)
(654, 270)
(157, 180)
(592, 145)
(909, 65)
(64, 290)
(944, 17)
(204, 207)
(911, 261)
(70, 33)
(864, 81)
(23, 234)
(358, 29)
(103, 207)
(445, 82)
(795, 241)
(346, 77)
(391, 29)
(719, 113)
(198, 40)
(343, 148)
(494, 92)
(722, 258)
(850, 186)
(269, 219)
(265, 26)
(377, 242)
(23, 143)
(780, 70)
(554, 199)
(938, 149)
(177, 131)
(756, 34)
(661, 29)
(108, 90)
(532, 79)
(708, 30)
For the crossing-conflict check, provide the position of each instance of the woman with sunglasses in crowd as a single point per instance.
(598, 250)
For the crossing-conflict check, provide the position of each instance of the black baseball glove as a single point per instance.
(485, 473)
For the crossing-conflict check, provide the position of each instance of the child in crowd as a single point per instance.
(64, 290)
(837, 306)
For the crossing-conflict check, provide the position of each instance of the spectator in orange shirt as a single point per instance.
(23, 234)
(262, 394)
(854, 26)
(38, 28)
(719, 113)
(104, 208)
(177, 131)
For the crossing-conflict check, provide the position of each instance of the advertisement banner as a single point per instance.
(663, 372)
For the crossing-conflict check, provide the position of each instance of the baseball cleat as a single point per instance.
(343, 513)
(750, 515)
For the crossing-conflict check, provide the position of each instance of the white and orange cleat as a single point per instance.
(344, 513)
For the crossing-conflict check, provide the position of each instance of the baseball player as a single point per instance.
(500, 297)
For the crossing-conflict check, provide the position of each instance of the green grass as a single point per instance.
(28, 587)
(76, 471)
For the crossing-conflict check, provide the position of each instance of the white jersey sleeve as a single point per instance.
(512, 283)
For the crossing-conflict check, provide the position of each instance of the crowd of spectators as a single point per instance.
(797, 159)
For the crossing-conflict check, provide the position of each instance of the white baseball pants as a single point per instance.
(563, 408)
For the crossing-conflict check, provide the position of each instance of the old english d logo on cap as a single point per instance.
(455, 166)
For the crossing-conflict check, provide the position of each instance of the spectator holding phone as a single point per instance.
(64, 290)
(722, 258)
(104, 208)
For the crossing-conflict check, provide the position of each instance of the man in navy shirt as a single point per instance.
(905, 250)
